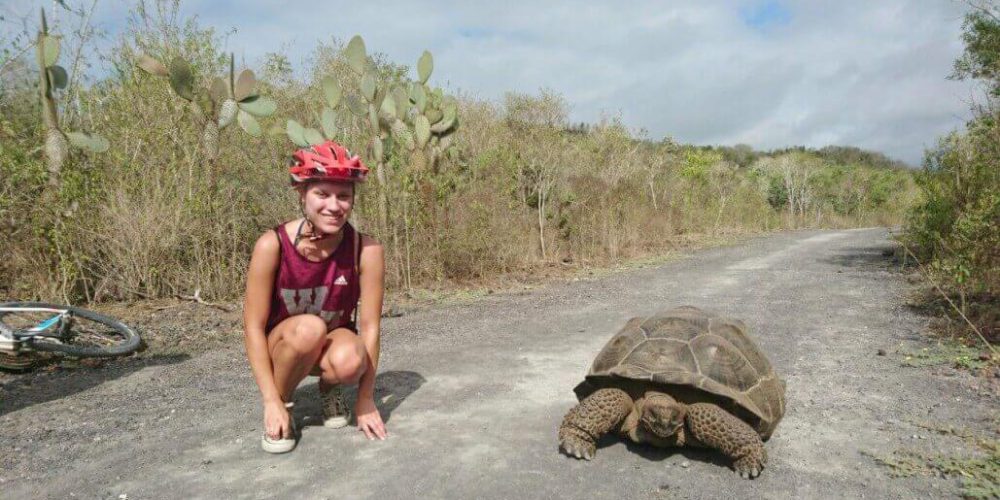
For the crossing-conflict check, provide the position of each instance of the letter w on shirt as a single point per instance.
(308, 301)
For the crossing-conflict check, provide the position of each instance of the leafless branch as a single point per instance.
(985, 7)
(959, 311)
(16, 58)
(197, 298)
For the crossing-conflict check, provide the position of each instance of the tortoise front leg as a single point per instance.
(596, 415)
(719, 429)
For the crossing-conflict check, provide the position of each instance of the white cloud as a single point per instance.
(763, 72)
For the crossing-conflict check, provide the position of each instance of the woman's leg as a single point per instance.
(344, 359)
(295, 344)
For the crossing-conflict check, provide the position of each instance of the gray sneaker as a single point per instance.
(336, 413)
(281, 445)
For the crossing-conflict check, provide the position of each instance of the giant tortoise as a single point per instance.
(683, 377)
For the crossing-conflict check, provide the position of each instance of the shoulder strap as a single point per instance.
(277, 269)
(357, 273)
(357, 252)
(277, 234)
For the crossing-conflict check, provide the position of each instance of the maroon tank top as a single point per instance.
(329, 288)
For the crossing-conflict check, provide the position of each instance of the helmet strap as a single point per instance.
(312, 235)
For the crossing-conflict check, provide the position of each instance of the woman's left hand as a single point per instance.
(369, 419)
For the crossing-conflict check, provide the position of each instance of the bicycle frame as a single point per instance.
(14, 340)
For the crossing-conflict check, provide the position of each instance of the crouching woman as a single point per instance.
(314, 300)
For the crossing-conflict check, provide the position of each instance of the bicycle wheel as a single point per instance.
(89, 335)
(18, 363)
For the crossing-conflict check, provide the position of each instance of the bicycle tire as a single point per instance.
(19, 363)
(125, 341)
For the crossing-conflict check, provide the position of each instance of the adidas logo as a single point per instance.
(341, 280)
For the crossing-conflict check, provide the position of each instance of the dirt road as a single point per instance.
(473, 394)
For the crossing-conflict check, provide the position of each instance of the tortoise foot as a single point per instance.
(749, 466)
(575, 446)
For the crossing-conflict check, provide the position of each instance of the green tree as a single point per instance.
(981, 58)
(958, 223)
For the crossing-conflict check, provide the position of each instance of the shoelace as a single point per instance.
(335, 404)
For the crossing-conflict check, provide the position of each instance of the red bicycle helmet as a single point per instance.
(326, 162)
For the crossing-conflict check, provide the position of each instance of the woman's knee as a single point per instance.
(308, 333)
(348, 361)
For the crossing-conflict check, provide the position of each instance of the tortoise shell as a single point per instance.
(698, 356)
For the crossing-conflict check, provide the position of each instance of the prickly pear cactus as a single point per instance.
(399, 118)
(224, 102)
(53, 78)
(431, 117)
(407, 113)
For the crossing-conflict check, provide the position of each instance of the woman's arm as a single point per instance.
(372, 280)
(256, 307)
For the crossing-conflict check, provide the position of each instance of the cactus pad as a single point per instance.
(313, 137)
(248, 123)
(328, 120)
(50, 50)
(425, 65)
(331, 90)
(244, 85)
(219, 91)
(356, 56)
(422, 128)
(152, 66)
(57, 76)
(296, 133)
(356, 106)
(259, 106)
(368, 87)
(181, 78)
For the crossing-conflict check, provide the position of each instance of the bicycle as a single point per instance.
(29, 328)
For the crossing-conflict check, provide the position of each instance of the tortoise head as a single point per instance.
(662, 415)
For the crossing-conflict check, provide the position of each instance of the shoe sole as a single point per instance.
(277, 446)
(281, 445)
(336, 422)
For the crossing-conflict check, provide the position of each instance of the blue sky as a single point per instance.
(767, 73)
(765, 15)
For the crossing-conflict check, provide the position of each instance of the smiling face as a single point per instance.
(327, 204)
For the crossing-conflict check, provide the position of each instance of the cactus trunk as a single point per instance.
(227, 113)
(56, 151)
(56, 146)
(383, 202)
(210, 141)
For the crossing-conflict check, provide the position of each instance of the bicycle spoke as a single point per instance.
(94, 335)
(26, 319)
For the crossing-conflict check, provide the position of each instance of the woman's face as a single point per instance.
(328, 204)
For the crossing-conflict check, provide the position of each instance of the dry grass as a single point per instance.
(979, 472)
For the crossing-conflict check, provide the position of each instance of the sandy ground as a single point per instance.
(473, 394)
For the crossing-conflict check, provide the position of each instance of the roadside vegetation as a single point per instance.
(173, 201)
(953, 234)
(955, 229)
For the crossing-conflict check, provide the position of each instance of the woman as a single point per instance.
(314, 301)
